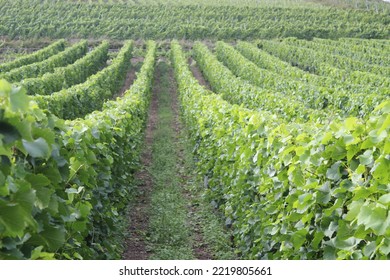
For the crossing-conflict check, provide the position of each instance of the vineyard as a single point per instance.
(243, 132)
(100, 19)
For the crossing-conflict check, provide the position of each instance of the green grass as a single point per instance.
(169, 236)
(177, 205)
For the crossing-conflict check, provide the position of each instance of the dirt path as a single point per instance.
(197, 73)
(167, 218)
(138, 214)
(199, 247)
(131, 75)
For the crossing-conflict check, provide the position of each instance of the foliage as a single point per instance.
(292, 191)
(64, 77)
(60, 19)
(351, 61)
(236, 90)
(365, 54)
(63, 189)
(317, 63)
(312, 96)
(37, 56)
(81, 99)
(68, 56)
(350, 99)
(294, 150)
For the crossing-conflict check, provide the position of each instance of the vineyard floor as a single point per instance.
(131, 75)
(168, 218)
(197, 73)
(138, 212)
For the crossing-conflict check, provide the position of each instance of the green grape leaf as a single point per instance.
(380, 171)
(318, 236)
(12, 218)
(374, 218)
(19, 100)
(333, 173)
(385, 247)
(52, 237)
(37, 148)
(385, 199)
(351, 123)
(346, 244)
(366, 158)
(37, 180)
(43, 196)
(298, 238)
(37, 254)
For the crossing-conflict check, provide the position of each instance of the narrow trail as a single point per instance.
(169, 235)
(200, 249)
(136, 248)
(131, 75)
(197, 73)
(167, 218)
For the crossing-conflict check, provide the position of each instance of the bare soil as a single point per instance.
(198, 74)
(135, 60)
(131, 76)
